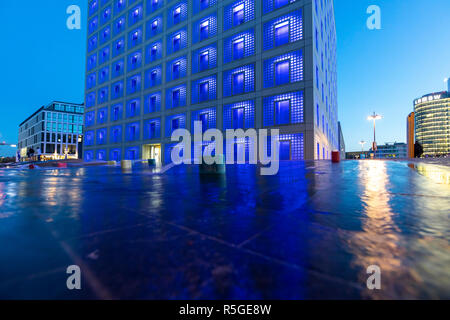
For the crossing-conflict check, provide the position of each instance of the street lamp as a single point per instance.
(374, 117)
(362, 143)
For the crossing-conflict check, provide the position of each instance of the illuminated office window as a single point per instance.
(238, 83)
(281, 33)
(238, 49)
(204, 91)
(204, 61)
(204, 30)
(238, 15)
(282, 71)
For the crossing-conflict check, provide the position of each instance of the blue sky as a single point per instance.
(381, 70)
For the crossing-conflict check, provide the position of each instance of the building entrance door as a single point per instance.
(152, 151)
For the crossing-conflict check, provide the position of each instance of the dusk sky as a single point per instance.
(378, 70)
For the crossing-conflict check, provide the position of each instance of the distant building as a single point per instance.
(391, 151)
(341, 141)
(357, 155)
(432, 123)
(156, 66)
(410, 138)
(56, 130)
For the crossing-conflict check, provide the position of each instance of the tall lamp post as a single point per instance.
(362, 143)
(374, 117)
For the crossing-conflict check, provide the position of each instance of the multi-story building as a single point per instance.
(56, 130)
(432, 123)
(341, 141)
(391, 151)
(410, 138)
(154, 66)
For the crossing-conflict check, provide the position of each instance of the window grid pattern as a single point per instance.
(212, 28)
(297, 145)
(89, 119)
(295, 29)
(147, 132)
(183, 41)
(182, 15)
(182, 62)
(249, 79)
(295, 68)
(182, 123)
(117, 90)
(132, 131)
(270, 5)
(101, 155)
(148, 106)
(212, 118)
(198, 8)
(132, 153)
(249, 13)
(115, 154)
(153, 27)
(101, 136)
(149, 82)
(182, 99)
(158, 53)
(249, 114)
(212, 87)
(212, 51)
(249, 45)
(115, 135)
(296, 107)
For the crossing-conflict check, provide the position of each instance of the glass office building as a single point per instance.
(154, 66)
(432, 123)
(56, 130)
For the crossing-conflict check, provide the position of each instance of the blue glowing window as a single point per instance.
(282, 72)
(119, 25)
(93, 6)
(204, 61)
(116, 134)
(102, 115)
(204, 30)
(204, 91)
(238, 15)
(152, 130)
(238, 49)
(280, 3)
(281, 33)
(116, 112)
(238, 118)
(176, 98)
(203, 118)
(177, 15)
(238, 83)
(118, 47)
(175, 124)
(176, 42)
(135, 15)
(176, 70)
(285, 150)
(282, 112)
(106, 34)
(153, 77)
(92, 62)
(204, 4)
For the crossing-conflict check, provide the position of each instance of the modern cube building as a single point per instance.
(154, 66)
(56, 130)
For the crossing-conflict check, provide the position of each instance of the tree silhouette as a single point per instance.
(418, 150)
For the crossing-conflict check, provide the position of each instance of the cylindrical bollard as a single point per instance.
(335, 157)
(111, 163)
(126, 164)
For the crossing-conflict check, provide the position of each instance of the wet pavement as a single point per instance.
(309, 232)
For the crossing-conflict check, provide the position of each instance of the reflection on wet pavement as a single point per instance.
(310, 232)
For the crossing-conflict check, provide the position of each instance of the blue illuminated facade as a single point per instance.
(154, 66)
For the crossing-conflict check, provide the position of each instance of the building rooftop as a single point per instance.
(48, 106)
